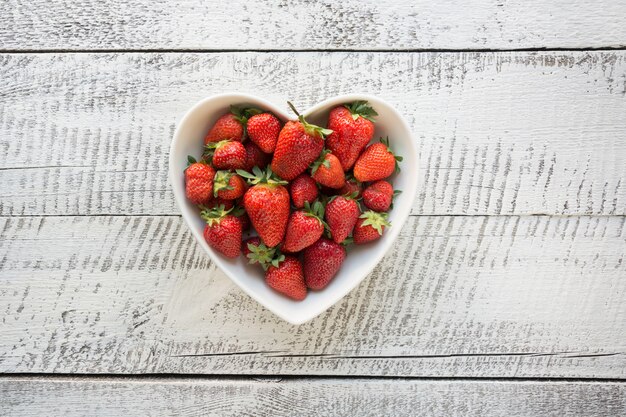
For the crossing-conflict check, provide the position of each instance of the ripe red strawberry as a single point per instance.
(305, 227)
(227, 154)
(255, 157)
(228, 127)
(327, 171)
(341, 216)
(351, 187)
(321, 262)
(287, 278)
(299, 144)
(267, 204)
(303, 189)
(353, 128)
(199, 182)
(245, 220)
(369, 227)
(228, 185)
(216, 202)
(377, 162)
(378, 196)
(223, 231)
(263, 129)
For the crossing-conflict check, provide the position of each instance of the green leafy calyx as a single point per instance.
(315, 210)
(361, 109)
(221, 181)
(262, 255)
(215, 215)
(321, 161)
(376, 220)
(242, 114)
(258, 176)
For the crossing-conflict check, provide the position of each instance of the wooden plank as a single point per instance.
(499, 133)
(350, 24)
(308, 397)
(473, 296)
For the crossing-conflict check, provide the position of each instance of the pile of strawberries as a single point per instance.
(307, 191)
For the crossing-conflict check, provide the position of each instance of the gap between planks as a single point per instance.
(174, 377)
(306, 50)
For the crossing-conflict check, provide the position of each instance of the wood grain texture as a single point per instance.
(499, 133)
(317, 397)
(304, 24)
(491, 296)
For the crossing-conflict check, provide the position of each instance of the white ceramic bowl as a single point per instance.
(361, 260)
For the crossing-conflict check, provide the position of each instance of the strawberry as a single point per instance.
(285, 276)
(226, 154)
(351, 187)
(255, 157)
(216, 202)
(321, 262)
(263, 129)
(327, 170)
(228, 185)
(223, 231)
(377, 162)
(353, 128)
(245, 220)
(267, 204)
(240, 213)
(369, 227)
(299, 144)
(378, 196)
(305, 227)
(303, 189)
(341, 216)
(228, 127)
(199, 182)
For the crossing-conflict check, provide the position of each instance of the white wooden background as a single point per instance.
(504, 295)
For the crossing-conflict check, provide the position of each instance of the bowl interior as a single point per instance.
(361, 260)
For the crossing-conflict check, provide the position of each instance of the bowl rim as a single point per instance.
(241, 97)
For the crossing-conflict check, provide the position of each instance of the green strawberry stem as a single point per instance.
(310, 128)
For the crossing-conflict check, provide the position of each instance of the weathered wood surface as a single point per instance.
(306, 397)
(302, 24)
(499, 133)
(493, 296)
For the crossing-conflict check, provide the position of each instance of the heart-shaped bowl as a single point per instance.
(361, 260)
